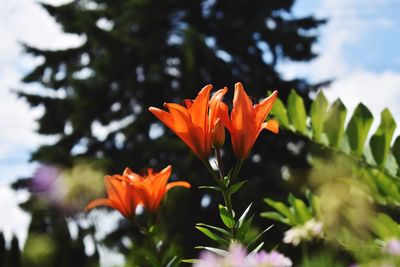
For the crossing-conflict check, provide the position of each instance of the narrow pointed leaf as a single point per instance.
(215, 250)
(297, 112)
(318, 113)
(334, 124)
(213, 236)
(380, 141)
(235, 187)
(259, 236)
(254, 251)
(244, 229)
(282, 208)
(172, 262)
(301, 211)
(357, 130)
(280, 113)
(222, 231)
(191, 261)
(216, 188)
(396, 152)
(243, 217)
(276, 216)
(226, 217)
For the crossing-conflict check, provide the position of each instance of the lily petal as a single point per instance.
(271, 125)
(99, 202)
(263, 108)
(177, 183)
(199, 108)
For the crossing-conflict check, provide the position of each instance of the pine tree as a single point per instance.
(140, 53)
(15, 253)
(3, 251)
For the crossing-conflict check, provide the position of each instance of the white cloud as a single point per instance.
(350, 23)
(17, 221)
(21, 21)
(375, 90)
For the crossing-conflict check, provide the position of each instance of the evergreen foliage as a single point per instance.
(138, 53)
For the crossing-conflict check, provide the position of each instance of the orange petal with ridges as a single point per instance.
(215, 105)
(163, 116)
(114, 189)
(99, 202)
(242, 109)
(264, 107)
(199, 108)
(271, 125)
(178, 183)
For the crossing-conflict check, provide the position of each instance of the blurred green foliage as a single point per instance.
(352, 188)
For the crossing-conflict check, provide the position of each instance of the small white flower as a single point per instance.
(311, 229)
(392, 247)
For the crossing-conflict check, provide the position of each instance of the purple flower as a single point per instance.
(44, 178)
(392, 247)
(237, 257)
(272, 259)
(47, 182)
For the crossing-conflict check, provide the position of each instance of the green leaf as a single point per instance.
(244, 229)
(222, 231)
(384, 227)
(226, 180)
(297, 112)
(216, 188)
(279, 111)
(276, 216)
(357, 130)
(150, 257)
(387, 186)
(226, 216)
(282, 208)
(172, 262)
(215, 250)
(259, 236)
(300, 209)
(396, 151)
(254, 251)
(334, 124)
(213, 236)
(235, 187)
(380, 141)
(318, 113)
(315, 205)
(191, 261)
(243, 217)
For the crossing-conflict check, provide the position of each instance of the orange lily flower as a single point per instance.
(127, 191)
(152, 187)
(247, 121)
(194, 122)
(121, 195)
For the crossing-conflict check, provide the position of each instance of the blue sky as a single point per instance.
(359, 47)
(374, 25)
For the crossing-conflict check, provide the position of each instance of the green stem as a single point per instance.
(228, 203)
(220, 164)
(237, 168)
(220, 182)
(305, 255)
(212, 172)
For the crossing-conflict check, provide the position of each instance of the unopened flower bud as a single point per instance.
(218, 134)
